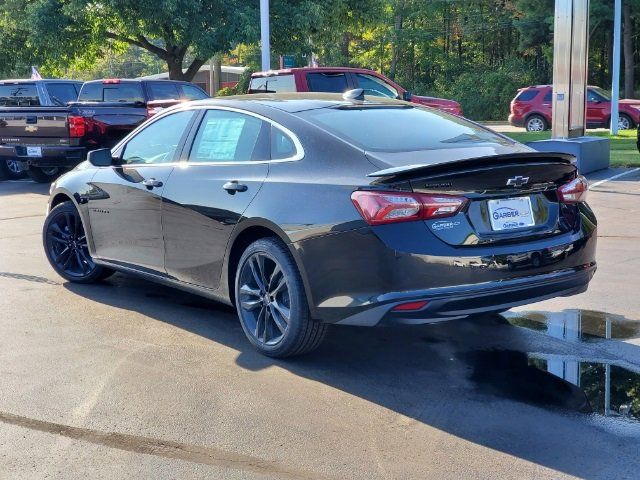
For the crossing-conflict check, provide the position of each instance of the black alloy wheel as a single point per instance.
(11, 170)
(272, 304)
(66, 246)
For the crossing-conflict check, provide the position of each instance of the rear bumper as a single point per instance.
(516, 121)
(456, 302)
(52, 156)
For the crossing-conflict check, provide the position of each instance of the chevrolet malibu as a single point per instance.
(310, 210)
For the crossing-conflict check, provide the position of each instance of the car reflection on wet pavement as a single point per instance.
(573, 382)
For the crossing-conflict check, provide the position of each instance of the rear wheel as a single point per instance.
(11, 170)
(272, 304)
(44, 174)
(65, 244)
(536, 123)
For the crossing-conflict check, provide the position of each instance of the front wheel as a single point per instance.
(624, 122)
(66, 247)
(272, 304)
(44, 174)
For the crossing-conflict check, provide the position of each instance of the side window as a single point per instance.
(226, 136)
(375, 86)
(527, 95)
(593, 96)
(158, 142)
(327, 82)
(192, 93)
(281, 145)
(548, 96)
(272, 84)
(163, 91)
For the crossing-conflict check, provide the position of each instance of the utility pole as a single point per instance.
(264, 35)
(615, 80)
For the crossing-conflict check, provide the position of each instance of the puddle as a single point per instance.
(573, 385)
(577, 325)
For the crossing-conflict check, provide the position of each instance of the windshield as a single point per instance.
(603, 93)
(400, 128)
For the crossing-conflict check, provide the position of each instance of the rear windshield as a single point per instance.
(400, 128)
(111, 92)
(19, 95)
(62, 93)
(272, 84)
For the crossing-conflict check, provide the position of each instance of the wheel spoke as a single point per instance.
(259, 322)
(55, 228)
(281, 284)
(79, 261)
(250, 304)
(57, 239)
(267, 314)
(257, 272)
(284, 312)
(59, 256)
(87, 258)
(282, 325)
(274, 276)
(67, 262)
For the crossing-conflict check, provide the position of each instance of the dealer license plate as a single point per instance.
(34, 151)
(511, 213)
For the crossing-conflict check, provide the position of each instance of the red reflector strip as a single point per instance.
(410, 306)
(111, 81)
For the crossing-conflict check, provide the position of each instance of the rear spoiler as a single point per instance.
(522, 157)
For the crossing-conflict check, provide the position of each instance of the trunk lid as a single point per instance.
(511, 196)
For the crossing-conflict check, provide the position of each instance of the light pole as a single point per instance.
(615, 80)
(264, 35)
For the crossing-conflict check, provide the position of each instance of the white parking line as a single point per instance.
(600, 182)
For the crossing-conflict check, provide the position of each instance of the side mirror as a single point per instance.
(406, 96)
(100, 158)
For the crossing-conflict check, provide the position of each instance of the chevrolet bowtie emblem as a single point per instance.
(31, 128)
(517, 181)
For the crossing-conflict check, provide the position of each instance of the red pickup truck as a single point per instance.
(339, 80)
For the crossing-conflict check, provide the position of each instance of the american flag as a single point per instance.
(35, 74)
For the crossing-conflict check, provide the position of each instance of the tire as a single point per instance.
(268, 285)
(44, 174)
(65, 245)
(11, 170)
(625, 122)
(536, 123)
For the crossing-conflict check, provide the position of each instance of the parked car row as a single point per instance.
(532, 107)
(48, 126)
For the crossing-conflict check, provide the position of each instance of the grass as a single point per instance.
(624, 152)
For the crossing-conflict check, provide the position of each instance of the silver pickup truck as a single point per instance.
(32, 111)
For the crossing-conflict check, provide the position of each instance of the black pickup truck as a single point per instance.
(32, 94)
(49, 140)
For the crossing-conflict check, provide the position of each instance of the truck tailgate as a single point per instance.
(34, 126)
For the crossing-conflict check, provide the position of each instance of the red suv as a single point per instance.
(532, 109)
(339, 80)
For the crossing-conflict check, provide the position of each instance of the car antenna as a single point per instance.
(355, 94)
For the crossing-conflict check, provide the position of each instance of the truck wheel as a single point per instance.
(44, 174)
(11, 170)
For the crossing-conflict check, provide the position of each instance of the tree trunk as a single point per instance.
(627, 44)
(395, 46)
(345, 40)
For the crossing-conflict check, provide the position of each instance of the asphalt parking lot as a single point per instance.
(128, 379)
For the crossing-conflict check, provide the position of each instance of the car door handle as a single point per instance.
(233, 186)
(151, 183)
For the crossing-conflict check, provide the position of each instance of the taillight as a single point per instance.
(379, 208)
(111, 81)
(151, 111)
(575, 191)
(77, 126)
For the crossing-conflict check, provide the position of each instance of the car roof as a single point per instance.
(285, 71)
(31, 80)
(297, 102)
(116, 81)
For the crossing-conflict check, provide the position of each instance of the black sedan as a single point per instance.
(306, 211)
